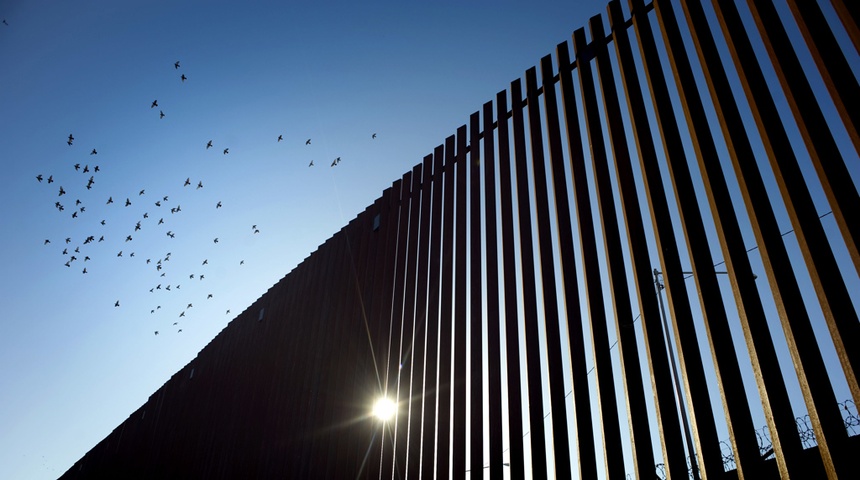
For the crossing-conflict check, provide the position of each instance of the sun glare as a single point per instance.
(384, 409)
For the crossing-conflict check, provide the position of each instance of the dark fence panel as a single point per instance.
(503, 257)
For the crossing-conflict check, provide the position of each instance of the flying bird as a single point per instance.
(137, 227)
(308, 142)
(156, 332)
(208, 296)
(183, 77)
(164, 199)
(68, 240)
(333, 163)
(216, 240)
(218, 205)
(96, 169)
(71, 139)
(127, 202)
(51, 179)
(280, 137)
(62, 192)
(87, 170)
(65, 251)
(154, 104)
(4, 22)
(373, 136)
(141, 192)
(226, 151)
(85, 270)
(158, 203)
(119, 254)
(39, 178)
(187, 182)
(181, 314)
(77, 166)
(94, 152)
(110, 200)
(161, 114)
(209, 145)
(176, 65)
(47, 241)
(200, 184)
(311, 164)
(102, 222)
(116, 304)
(206, 262)
(75, 214)
(160, 221)
(241, 262)
(189, 306)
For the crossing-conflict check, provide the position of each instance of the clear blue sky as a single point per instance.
(73, 365)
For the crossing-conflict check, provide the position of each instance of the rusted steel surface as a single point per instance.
(502, 258)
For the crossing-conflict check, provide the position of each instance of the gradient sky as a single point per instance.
(73, 366)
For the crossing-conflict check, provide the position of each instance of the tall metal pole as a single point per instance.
(694, 466)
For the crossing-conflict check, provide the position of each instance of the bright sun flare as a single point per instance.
(384, 409)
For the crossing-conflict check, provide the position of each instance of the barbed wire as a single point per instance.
(850, 417)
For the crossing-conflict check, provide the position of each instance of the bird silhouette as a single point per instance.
(77, 166)
(87, 170)
(75, 214)
(116, 304)
(183, 77)
(228, 312)
(160, 221)
(241, 262)
(209, 296)
(164, 199)
(39, 178)
(218, 205)
(158, 203)
(154, 104)
(102, 222)
(127, 202)
(226, 151)
(373, 136)
(96, 169)
(156, 332)
(4, 22)
(102, 238)
(216, 240)
(85, 270)
(280, 137)
(137, 227)
(308, 142)
(209, 145)
(71, 139)
(77, 201)
(68, 240)
(200, 184)
(187, 182)
(206, 262)
(47, 241)
(94, 152)
(176, 65)
(51, 179)
(110, 200)
(311, 164)
(189, 306)
(65, 251)
(181, 314)
(161, 114)
(119, 254)
(141, 192)
(333, 163)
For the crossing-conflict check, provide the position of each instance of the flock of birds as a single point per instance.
(78, 252)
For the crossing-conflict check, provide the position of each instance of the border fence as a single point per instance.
(623, 266)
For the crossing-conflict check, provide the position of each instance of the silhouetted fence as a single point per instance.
(487, 289)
